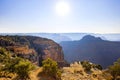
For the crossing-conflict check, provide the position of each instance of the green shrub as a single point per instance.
(14, 65)
(19, 66)
(59, 73)
(4, 55)
(50, 68)
(115, 69)
(23, 69)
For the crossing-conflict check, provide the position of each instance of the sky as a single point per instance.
(83, 16)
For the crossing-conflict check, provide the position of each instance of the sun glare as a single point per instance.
(62, 8)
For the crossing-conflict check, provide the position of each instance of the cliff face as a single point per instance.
(40, 48)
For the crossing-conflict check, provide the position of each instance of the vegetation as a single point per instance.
(50, 68)
(97, 66)
(115, 70)
(4, 56)
(14, 65)
(19, 69)
(23, 69)
(87, 66)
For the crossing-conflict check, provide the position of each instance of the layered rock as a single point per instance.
(40, 48)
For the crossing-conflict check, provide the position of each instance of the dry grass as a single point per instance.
(34, 74)
(38, 75)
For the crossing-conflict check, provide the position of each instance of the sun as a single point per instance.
(62, 8)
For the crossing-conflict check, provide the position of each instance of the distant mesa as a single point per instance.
(90, 38)
(92, 48)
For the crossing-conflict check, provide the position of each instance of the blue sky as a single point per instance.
(93, 16)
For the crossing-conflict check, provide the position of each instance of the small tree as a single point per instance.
(50, 68)
(115, 69)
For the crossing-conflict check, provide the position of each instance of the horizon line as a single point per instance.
(54, 33)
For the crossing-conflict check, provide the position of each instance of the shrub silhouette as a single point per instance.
(97, 66)
(86, 65)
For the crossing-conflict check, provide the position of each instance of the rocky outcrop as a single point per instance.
(40, 48)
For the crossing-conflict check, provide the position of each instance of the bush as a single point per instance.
(115, 69)
(59, 73)
(14, 65)
(23, 69)
(50, 68)
(97, 66)
(86, 65)
(19, 66)
(4, 55)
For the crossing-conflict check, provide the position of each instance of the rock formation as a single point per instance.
(33, 47)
